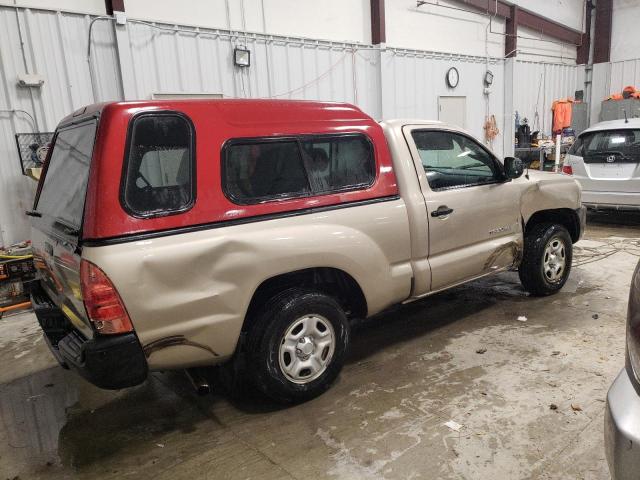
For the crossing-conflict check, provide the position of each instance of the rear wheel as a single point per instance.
(546, 262)
(297, 347)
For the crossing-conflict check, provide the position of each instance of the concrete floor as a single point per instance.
(410, 372)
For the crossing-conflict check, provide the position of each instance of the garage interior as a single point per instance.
(479, 381)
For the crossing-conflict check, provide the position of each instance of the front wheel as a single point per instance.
(546, 262)
(298, 345)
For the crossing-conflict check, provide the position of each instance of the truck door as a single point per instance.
(474, 213)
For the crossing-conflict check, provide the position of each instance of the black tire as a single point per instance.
(532, 270)
(265, 338)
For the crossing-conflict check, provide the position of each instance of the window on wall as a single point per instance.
(259, 170)
(453, 160)
(160, 165)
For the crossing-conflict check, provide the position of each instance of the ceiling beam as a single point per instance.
(527, 19)
(500, 8)
(113, 6)
(585, 45)
(549, 27)
(511, 31)
(602, 32)
(378, 27)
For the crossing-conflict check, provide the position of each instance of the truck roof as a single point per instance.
(239, 111)
(437, 124)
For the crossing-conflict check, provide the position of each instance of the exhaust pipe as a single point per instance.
(199, 381)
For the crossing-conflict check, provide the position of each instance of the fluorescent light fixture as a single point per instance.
(241, 57)
(616, 140)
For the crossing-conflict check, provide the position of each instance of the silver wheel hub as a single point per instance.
(306, 348)
(554, 261)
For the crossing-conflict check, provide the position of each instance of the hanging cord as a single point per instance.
(315, 80)
(355, 76)
(27, 70)
(92, 79)
(536, 113)
(243, 36)
(17, 110)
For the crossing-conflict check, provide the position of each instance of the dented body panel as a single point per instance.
(548, 191)
(199, 285)
(485, 232)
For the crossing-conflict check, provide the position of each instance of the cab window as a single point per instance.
(259, 170)
(452, 160)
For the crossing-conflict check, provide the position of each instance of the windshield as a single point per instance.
(61, 200)
(608, 145)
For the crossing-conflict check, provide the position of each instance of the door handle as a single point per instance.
(442, 211)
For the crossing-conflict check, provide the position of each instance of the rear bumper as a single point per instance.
(611, 200)
(110, 362)
(622, 429)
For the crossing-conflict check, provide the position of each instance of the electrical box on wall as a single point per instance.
(30, 80)
(121, 18)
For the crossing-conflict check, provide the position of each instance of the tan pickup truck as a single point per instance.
(181, 234)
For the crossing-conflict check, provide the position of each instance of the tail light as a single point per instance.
(633, 325)
(566, 169)
(104, 306)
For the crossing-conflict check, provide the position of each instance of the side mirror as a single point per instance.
(513, 167)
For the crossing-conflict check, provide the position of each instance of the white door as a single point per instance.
(453, 110)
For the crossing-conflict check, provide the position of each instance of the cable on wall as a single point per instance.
(346, 48)
(315, 80)
(92, 79)
(26, 67)
(17, 110)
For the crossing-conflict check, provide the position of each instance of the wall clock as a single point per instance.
(453, 77)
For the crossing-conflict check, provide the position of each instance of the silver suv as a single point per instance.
(605, 159)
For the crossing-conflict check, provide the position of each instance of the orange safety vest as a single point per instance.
(561, 114)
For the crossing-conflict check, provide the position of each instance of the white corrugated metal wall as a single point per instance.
(181, 59)
(55, 46)
(157, 58)
(537, 85)
(414, 80)
(623, 74)
(609, 78)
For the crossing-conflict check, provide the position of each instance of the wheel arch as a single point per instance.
(331, 281)
(563, 216)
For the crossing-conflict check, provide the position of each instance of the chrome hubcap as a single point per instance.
(554, 260)
(306, 348)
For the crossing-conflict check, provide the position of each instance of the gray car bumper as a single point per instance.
(622, 429)
(611, 200)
